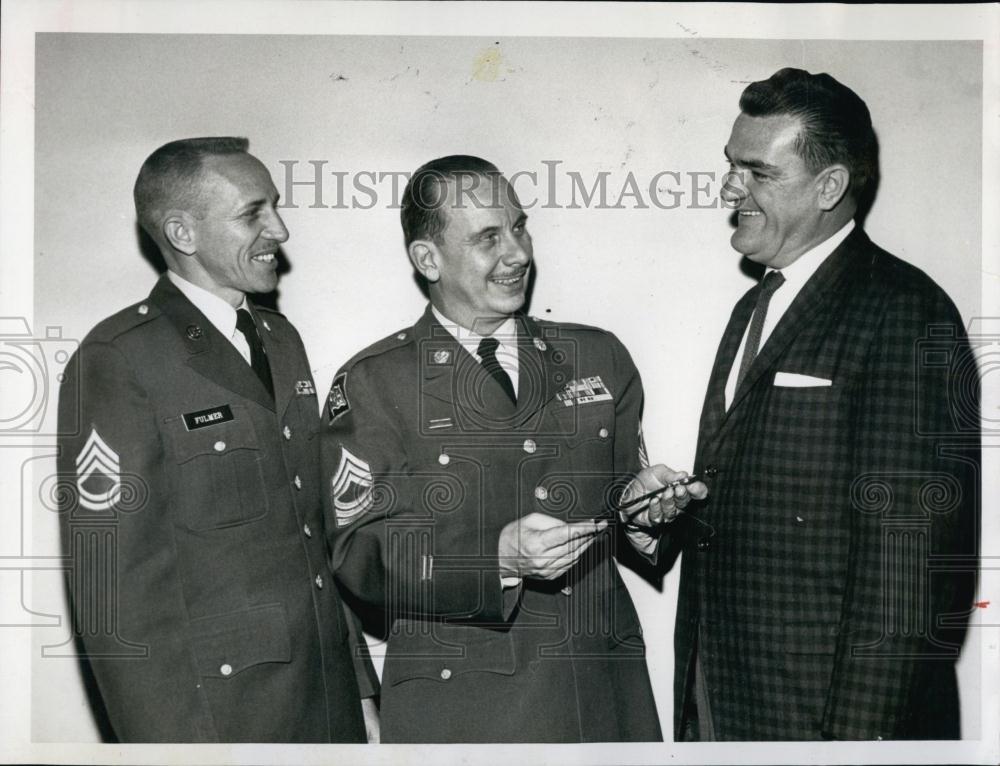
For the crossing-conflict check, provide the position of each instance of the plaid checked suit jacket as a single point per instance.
(819, 583)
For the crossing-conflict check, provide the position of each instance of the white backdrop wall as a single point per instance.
(664, 280)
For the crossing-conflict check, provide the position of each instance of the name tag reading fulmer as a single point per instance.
(209, 417)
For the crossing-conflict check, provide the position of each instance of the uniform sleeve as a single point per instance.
(364, 669)
(127, 607)
(911, 504)
(630, 445)
(389, 548)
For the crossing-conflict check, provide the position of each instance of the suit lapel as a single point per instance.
(209, 354)
(713, 411)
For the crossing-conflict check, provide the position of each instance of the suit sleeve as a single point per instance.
(127, 608)
(911, 504)
(389, 546)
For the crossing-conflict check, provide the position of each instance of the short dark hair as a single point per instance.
(836, 124)
(170, 177)
(427, 190)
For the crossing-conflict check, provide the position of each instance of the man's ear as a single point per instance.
(833, 184)
(178, 230)
(424, 255)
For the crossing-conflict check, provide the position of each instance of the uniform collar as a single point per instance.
(217, 311)
(505, 334)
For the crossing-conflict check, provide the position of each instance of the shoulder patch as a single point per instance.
(337, 403)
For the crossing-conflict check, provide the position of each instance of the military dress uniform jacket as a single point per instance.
(200, 582)
(827, 578)
(427, 461)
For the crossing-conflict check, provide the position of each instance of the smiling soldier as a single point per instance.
(219, 621)
(470, 460)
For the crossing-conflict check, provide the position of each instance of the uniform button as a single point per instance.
(445, 674)
(603, 433)
(297, 482)
(287, 433)
(443, 458)
(220, 446)
(308, 532)
(319, 581)
(541, 493)
(144, 309)
(704, 544)
(567, 591)
(401, 336)
(226, 670)
(266, 325)
(530, 446)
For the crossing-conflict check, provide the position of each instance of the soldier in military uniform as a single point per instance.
(201, 588)
(472, 463)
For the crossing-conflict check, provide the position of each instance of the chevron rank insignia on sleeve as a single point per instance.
(351, 487)
(98, 474)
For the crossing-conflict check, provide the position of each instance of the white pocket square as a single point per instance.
(794, 380)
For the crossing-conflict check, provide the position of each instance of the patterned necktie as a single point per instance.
(768, 287)
(488, 353)
(258, 358)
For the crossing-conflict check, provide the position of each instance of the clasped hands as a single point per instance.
(541, 546)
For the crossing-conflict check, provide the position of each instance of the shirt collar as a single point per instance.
(798, 272)
(506, 334)
(217, 311)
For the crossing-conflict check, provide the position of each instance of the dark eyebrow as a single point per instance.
(752, 164)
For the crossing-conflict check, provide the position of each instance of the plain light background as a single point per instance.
(663, 280)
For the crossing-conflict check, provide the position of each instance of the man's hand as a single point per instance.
(373, 726)
(664, 507)
(543, 547)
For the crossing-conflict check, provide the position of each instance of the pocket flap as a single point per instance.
(227, 644)
(443, 652)
(218, 439)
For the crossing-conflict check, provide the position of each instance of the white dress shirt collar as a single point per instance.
(796, 275)
(505, 334)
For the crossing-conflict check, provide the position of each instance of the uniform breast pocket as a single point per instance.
(580, 481)
(220, 478)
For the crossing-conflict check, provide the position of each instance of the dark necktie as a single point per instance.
(771, 283)
(258, 358)
(488, 353)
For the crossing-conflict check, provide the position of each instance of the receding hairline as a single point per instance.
(450, 180)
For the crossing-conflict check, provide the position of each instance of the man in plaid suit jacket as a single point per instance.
(826, 580)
